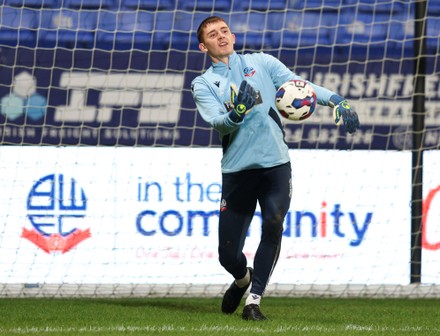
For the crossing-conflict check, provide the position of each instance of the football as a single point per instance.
(295, 100)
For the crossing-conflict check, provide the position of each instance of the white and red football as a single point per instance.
(296, 100)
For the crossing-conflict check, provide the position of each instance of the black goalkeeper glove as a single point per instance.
(243, 102)
(344, 113)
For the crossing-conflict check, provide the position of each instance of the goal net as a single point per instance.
(111, 179)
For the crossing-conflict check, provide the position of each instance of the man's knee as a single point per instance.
(227, 254)
(273, 227)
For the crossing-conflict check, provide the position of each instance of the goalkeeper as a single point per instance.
(236, 96)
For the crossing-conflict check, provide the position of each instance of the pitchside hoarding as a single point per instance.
(97, 97)
(431, 218)
(143, 215)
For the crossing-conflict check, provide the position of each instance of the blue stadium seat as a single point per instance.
(380, 6)
(325, 5)
(184, 34)
(250, 29)
(125, 30)
(18, 26)
(301, 29)
(205, 5)
(163, 29)
(147, 4)
(88, 4)
(260, 5)
(433, 8)
(364, 28)
(403, 36)
(31, 3)
(64, 27)
(433, 34)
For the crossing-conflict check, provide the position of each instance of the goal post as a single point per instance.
(111, 179)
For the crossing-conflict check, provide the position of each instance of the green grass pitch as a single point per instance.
(202, 316)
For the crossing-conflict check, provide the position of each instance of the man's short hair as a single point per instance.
(205, 23)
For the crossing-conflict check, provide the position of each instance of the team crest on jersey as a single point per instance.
(223, 205)
(249, 71)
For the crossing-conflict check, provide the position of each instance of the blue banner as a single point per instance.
(142, 98)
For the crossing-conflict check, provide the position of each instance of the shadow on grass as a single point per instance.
(194, 305)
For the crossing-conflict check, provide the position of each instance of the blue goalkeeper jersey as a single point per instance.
(258, 140)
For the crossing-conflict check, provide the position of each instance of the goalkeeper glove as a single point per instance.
(242, 102)
(344, 113)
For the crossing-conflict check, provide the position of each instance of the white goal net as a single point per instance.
(111, 180)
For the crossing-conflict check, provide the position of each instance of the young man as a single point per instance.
(255, 164)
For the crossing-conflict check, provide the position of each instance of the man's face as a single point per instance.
(218, 41)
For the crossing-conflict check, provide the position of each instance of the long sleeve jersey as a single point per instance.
(258, 140)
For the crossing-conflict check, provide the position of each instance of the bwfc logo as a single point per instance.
(249, 71)
(223, 205)
(54, 207)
